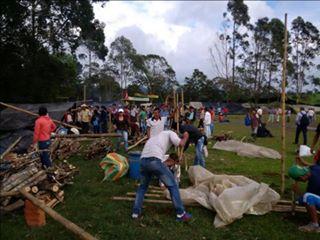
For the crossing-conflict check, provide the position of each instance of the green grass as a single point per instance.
(88, 204)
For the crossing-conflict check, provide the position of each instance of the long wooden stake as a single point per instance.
(283, 105)
(137, 143)
(10, 148)
(97, 135)
(36, 115)
(56, 216)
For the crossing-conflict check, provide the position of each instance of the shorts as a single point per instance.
(310, 199)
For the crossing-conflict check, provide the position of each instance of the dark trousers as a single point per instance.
(85, 127)
(104, 127)
(45, 153)
(304, 133)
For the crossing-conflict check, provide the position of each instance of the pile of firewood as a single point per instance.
(62, 148)
(25, 172)
(99, 148)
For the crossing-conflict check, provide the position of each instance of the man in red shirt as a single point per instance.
(43, 128)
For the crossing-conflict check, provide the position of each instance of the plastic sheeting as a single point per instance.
(229, 196)
(247, 149)
(7, 139)
(115, 166)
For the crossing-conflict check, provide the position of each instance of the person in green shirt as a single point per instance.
(143, 120)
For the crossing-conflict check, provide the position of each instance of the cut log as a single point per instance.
(10, 148)
(36, 115)
(17, 178)
(34, 189)
(56, 216)
(13, 206)
(35, 179)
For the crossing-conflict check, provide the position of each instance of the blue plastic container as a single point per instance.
(134, 165)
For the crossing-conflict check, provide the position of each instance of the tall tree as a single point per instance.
(121, 60)
(305, 42)
(240, 17)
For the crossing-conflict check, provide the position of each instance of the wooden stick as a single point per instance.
(137, 143)
(283, 104)
(97, 135)
(17, 204)
(56, 216)
(146, 195)
(10, 148)
(36, 115)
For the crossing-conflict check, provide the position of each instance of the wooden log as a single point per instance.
(56, 216)
(96, 135)
(152, 201)
(17, 178)
(146, 195)
(34, 189)
(13, 206)
(137, 143)
(35, 179)
(10, 148)
(36, 115)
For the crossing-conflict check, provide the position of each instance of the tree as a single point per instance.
(33, 34)
(155, 74)
(121, 59)
(305, 42)
(240, 17)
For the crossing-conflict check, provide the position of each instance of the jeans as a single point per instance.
(154, 167)
(45, 153)
(104, 127)
(85, 127)
(207, 130)
(304, 133)
(211, 128)
(124, 134)
(96, 128)
(143, 126)
(199, 159)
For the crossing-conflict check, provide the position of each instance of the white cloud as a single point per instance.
(182, 32)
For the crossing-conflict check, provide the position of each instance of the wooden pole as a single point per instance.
(283, 106)
(96, 135)
(10, 148)
(137, 143)
(34, 114)
(56, 216)
(84, 93)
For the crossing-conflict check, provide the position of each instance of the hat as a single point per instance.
(83, 105)
(75, 131)
(120, 110)
(296, 171)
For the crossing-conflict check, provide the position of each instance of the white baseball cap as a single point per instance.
(120, 110)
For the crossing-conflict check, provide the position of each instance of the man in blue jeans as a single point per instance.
(154, 163)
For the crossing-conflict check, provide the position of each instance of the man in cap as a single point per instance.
(311, 198)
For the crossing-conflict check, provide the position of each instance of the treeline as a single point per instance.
(50, 50)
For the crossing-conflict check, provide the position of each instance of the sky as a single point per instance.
(183, 31)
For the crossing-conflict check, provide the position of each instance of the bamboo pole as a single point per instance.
(137, 143)
(56, 216)
(283, 105)
(10, 148)
(36, 115)
(97, 135)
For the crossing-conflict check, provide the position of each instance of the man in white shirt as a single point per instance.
(155, 163)
(207, 123)
(155, 125)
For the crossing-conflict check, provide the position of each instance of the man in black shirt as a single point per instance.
(196, 137)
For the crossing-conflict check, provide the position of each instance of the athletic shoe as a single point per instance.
(186, 217)
(135, 216)
(311, 227)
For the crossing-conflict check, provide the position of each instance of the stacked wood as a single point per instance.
(64, 148)
(99, 148)
(25, 172)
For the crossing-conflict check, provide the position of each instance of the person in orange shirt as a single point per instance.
(43, 128)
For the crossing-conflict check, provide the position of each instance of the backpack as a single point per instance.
(304, 121)
(247, 120)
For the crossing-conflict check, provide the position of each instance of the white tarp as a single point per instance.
(247, 149)
(229, 196)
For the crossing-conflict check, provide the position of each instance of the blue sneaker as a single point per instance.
(186, 217)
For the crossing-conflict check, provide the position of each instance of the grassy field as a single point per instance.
(88, 204)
